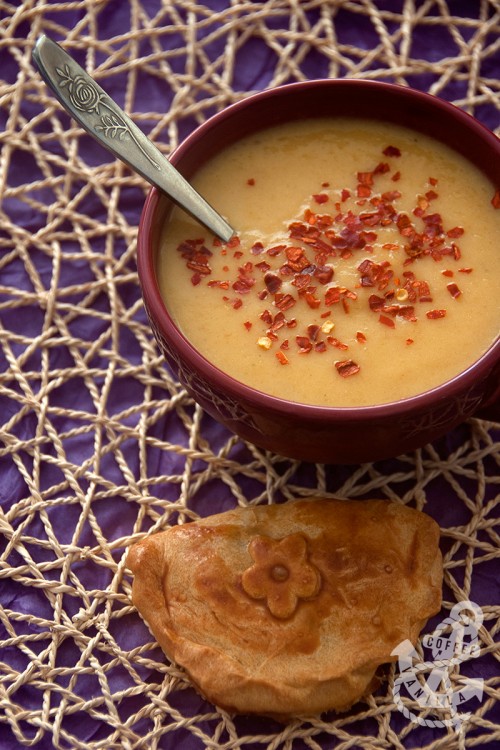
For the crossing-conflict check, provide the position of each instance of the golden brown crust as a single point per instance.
(289, 609)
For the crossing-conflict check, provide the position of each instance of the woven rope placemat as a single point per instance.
(99, 443)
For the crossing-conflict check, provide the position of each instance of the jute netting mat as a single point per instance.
(99, 443)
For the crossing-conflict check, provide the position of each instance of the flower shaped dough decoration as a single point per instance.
(281, 573)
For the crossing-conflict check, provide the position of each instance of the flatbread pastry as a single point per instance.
(289, 609)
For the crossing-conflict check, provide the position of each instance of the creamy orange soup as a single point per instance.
(365, 268)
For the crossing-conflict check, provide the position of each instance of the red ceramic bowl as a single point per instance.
(316, 433)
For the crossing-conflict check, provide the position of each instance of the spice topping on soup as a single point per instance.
(385, 254)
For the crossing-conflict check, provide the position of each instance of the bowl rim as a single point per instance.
(242, 392)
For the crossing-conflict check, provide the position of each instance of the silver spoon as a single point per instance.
(103, 119)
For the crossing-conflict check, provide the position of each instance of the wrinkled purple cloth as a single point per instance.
(253, 69)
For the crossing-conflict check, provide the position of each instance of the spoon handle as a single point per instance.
(103, 119)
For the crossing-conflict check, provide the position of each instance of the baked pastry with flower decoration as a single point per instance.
(289, 609)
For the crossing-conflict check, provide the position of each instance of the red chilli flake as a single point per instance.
(304, 344)
(320, 197)
(312, 301)
(243, 284)
(251, 181)
(375, 274)
(391, 195)
(313, 331)
(273, 283)
(281, 357)
(453, 290)
(435, 314)
(278, 322)
(276, 250)
(360, 336)
(365, 178)
(199, 265)
(455, 232)
(219, 284)
(263, 266)
(337, 344)
(391, 151)
(296, 259)
(284, 301)
(495, 201)
(323, 274)
(387, 321)
(335, 294)
(346, 368)
(363, 191)
(257, 248)
(375, 302)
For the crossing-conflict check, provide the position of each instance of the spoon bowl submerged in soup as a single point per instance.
(354, 315)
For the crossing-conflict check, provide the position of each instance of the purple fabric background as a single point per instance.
(253, 70)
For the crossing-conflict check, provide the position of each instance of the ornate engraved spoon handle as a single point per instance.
(103, 119)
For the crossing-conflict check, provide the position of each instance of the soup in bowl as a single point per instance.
(353, 315)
